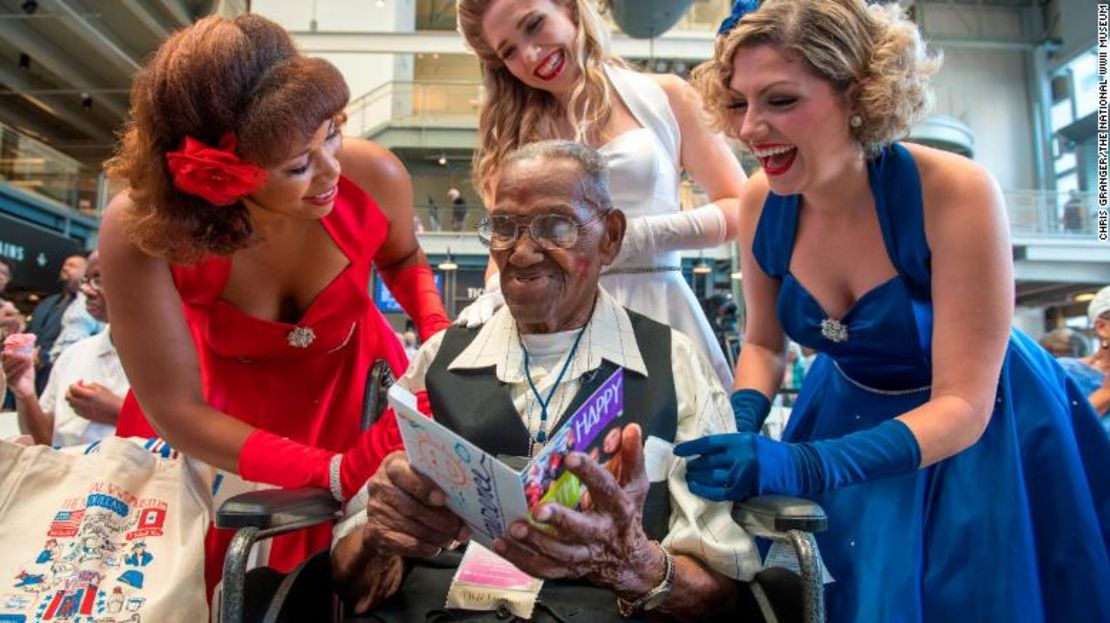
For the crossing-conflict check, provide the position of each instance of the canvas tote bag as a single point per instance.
(105, 533)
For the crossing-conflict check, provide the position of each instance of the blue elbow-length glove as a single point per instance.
(736, 466)
(750, 409)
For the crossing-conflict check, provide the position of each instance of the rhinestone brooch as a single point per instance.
(301, 337)
(834, 330)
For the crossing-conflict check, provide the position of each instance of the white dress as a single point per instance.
(644, 175)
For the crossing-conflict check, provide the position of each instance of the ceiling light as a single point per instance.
(448, 264)
(736, 276)
(1083, 297)
(379, 3)
(442, 160)
(702, 269)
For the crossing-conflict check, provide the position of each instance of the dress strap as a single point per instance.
(649, 105)
(896, 186)
(203, 282)
(774, 235)
(356, 223)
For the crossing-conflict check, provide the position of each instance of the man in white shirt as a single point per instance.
(647, 544)
(87, 384)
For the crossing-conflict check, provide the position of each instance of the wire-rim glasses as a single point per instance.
(550, 231)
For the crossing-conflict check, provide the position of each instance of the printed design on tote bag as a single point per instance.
(92, 565)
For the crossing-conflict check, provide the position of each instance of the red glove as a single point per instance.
(414, 287)
(280, 461)
(276, 460)
(362, 460)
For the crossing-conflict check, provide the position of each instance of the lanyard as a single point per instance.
(541, 435)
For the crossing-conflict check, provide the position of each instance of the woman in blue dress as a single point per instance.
(965, 476)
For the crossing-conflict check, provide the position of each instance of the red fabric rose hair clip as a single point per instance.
(215, 174)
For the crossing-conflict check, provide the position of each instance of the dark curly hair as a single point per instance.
(241, 75)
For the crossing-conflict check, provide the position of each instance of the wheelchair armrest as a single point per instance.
(770, 515)
(275, 508)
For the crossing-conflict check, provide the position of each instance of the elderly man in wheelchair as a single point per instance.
(646, 548)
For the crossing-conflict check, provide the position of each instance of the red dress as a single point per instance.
(256, 371)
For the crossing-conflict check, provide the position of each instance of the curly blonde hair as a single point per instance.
(241, 75)
(513, 114)
(848, 43)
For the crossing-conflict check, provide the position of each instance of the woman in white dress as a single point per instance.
(548, 73)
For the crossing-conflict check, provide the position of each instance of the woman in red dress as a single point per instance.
(240, 258)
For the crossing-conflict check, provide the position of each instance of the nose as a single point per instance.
(533, 54)
(329, 169)
(749, 124)
(525, 252)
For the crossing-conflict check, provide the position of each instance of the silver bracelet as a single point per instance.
(335, 483)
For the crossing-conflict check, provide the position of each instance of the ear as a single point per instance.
(613, 236)
(851, 95)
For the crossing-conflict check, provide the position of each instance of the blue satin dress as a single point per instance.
(1016, 527)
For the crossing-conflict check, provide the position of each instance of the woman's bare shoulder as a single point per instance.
(371, 166)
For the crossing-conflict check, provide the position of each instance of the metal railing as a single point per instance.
(1032, 213)
(1046, 213)
(415, 103)
(447, 219)
(34, 168)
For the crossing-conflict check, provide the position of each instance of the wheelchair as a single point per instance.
(306, 594)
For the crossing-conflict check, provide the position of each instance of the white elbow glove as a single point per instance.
(701, 228)
(485, 306)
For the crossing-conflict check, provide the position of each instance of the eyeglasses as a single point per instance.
(92, 283)
(500, 232)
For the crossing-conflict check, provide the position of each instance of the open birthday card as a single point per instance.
(487, 493)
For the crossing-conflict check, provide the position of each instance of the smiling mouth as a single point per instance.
(775, 159)
(552, 66)
(325, 197)
(528, 278)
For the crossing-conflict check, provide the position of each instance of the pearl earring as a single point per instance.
(855, 121)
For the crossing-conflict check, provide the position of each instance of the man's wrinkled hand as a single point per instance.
(605, 545)
(407, 513)
(362, 579)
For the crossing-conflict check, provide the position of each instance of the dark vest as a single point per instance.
(477, 406)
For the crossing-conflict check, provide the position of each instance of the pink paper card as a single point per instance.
(485, 581)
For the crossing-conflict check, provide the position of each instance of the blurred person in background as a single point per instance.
(458, 209)
(5, 276)
(83, 396)
(1064, 342)
(64, 310)
(11, 321)
(1090, 373)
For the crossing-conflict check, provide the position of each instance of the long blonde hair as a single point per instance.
(513, 114)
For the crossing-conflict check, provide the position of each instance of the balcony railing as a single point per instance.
(36, 169)
(1050, 214)
(415, 103)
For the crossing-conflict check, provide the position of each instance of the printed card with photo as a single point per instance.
(488, 494)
